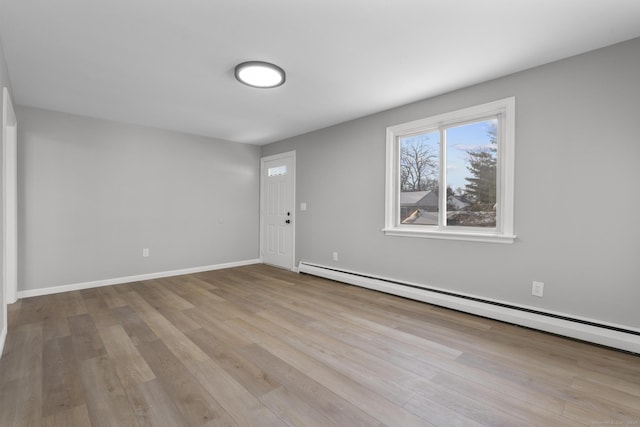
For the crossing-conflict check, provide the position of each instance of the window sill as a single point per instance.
(450, 235)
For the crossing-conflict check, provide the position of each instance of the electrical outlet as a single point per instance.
(303, 206)
(145, 252)
(537, 289)
(335, 256)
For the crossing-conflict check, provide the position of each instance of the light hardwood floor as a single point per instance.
(258, 346)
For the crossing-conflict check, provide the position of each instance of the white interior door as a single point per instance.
(277, 213)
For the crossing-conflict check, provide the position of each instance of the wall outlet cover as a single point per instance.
(537, 289)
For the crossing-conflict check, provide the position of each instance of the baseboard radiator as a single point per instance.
(611, 335)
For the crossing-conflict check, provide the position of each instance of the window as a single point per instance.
(277, 171)
(451, 176)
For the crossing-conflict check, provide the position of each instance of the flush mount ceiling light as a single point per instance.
(260, 74)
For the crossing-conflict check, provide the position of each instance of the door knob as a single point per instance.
(288, 221)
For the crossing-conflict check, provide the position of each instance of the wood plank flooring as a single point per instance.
(258, 346)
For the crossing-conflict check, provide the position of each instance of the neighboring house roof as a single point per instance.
(457, 202)
(429, 199)
(418, 198)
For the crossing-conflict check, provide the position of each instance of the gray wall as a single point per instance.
(4, 82)
(577, 201)
(93, 193)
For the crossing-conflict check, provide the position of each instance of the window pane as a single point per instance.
(419, 174)
(278, 170)
(471, 174)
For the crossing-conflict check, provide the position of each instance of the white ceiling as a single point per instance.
(169, 63)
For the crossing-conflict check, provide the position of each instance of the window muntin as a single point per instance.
(451, 176)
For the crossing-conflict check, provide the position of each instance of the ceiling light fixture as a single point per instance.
(260, 74)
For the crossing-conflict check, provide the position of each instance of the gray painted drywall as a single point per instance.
(4, 82)
(576, 203)
(93, 193)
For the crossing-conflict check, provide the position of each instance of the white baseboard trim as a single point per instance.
(612, 335)
(128, 279)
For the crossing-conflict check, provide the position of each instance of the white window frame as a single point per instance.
(503, 232)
